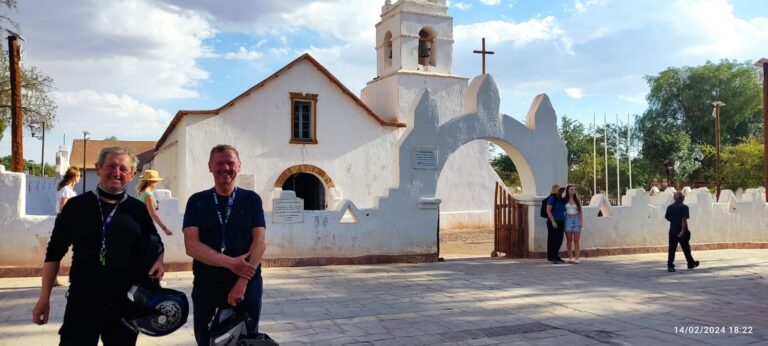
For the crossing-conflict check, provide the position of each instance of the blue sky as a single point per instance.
(123, 68)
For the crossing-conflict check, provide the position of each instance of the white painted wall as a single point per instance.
(353, 148)
(41, 195)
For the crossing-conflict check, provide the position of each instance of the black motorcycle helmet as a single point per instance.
(159, 311)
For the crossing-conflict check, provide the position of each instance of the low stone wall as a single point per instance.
(639, 224)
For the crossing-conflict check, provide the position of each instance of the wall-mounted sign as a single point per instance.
(424, 158)
(287, 210)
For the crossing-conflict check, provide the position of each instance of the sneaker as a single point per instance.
(576, 261)
(695, 264)
(671, 269)
(560, 260)
(552, 261)
(570, 260)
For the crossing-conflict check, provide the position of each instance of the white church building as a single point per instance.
(301, 129)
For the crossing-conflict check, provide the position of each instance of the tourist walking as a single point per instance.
(573, 224)
(677, 215)
(65, 189)
(106, 229)
(224, 232)
(555, 224)
(144, 189)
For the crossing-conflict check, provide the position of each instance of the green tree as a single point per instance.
(36, 87)
(30, 166)
(741, 165)
(678, 119)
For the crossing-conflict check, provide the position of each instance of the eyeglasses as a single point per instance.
(122, 169)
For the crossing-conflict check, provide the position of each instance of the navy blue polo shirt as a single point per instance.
(246, 214)
(675, 214)
(558, 207)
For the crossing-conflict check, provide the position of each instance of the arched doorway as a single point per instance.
(310, 183)
(426, 51)
(309, 188)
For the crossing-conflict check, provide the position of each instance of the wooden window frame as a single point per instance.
(312, 99)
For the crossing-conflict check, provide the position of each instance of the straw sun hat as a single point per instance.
(150, 175)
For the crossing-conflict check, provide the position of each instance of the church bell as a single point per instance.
(423, 51)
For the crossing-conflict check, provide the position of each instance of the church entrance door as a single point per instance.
(309, 188)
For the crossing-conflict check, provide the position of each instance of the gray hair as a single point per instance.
(222, 148)
(679, 196)
(117, 151)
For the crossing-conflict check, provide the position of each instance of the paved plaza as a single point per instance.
(618, 300)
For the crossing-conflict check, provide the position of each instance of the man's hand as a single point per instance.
(237, 293)
(681, 234)
(157, 271)
(241, 267)
(554, 224)
(41, 311)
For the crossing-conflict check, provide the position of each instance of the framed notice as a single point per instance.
(424, 158)
(287, 210)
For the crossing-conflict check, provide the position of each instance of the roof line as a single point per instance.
(181, 113)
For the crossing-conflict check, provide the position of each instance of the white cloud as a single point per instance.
(139, 47)
(520, 34)
(574, 93)
(118, 115)
(490, 2)
(242, 54)
(461, 5)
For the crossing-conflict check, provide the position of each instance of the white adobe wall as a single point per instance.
(353, 148)
(41, 195)
(640, 221)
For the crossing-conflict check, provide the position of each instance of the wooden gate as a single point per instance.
(510, 225)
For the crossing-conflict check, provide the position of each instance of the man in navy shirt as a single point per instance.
(677, 215)
(224, 232)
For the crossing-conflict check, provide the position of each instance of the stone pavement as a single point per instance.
(619, 300)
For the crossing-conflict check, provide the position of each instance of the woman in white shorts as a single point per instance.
(573, 223)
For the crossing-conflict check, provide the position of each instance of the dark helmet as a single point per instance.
(158, 311)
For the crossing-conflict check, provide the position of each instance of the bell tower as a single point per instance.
(414, 50)
(414, 35)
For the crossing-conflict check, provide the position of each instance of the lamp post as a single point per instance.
(762, 65)
(38, 131)
(85, 146)
(717, 105)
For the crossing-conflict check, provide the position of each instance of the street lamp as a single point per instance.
(85, 173)
(762, 65)
(37, 128)
(716, 113)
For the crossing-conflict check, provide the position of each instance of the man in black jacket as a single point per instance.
(109, 232)
(677, 215)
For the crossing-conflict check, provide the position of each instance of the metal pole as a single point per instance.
(717, 149)
(765, 126)
(594, 154)
(42, 153)
(629, 151)
(17, 144)
(84, 173)
(618, 154)
(605, 146)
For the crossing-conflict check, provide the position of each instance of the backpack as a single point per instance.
(543, 211)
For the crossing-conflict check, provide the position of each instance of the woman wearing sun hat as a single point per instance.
(147, 184)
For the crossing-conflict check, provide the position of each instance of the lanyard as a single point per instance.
(104, 224)
(223, 221)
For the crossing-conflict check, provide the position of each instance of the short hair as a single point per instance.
(117, 151)
(222, 148)
(555, 189)
(679, 196)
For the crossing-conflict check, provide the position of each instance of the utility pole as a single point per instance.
(763, 64)
(717, 105)
(17, 123)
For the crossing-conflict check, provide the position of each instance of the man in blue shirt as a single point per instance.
(555, 224)
(677, 215)
(224, 232)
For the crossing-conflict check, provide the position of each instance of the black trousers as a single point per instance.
(209, 297)
(684, 243)
(554, 240)
(89, 316)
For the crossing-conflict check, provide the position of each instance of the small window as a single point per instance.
(303, 118)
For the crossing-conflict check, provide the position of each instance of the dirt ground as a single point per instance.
(466, 242)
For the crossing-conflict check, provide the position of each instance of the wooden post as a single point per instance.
(17, 123)
(765, 126)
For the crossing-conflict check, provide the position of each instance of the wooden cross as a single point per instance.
(483, 52)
